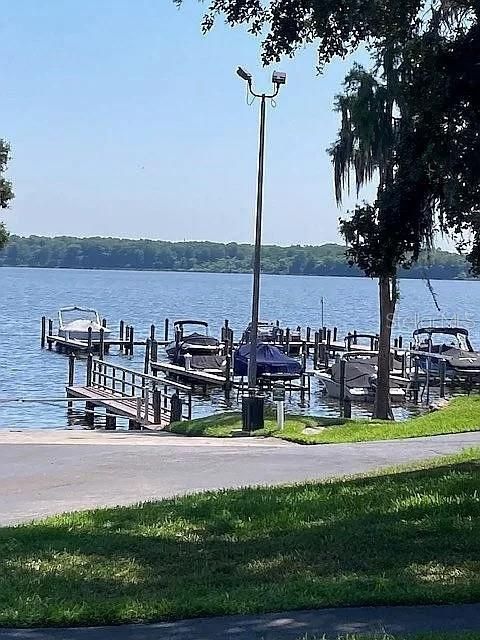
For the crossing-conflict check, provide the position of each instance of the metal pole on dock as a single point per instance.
(165, 333)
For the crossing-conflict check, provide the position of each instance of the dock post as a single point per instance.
(347, 408)
(101, 347)
(307, 336)
(43, 332)
(395, 343)
(324, 330)
(165, 332)
(89, 414)
(71, 377)
(315, 351)
(303, 378)
(415, 382)
(110, 422)
(71, 369)
(50, 333)
(287, 341)
(400, 342)
(130, 346)
(89, 339)
(152, 332)
(88, 382)
(329, 341)
(443, 371)
(348, 340)
(355, 339)
(157, 406)
(342, 386)
(121, 332)
(175, 408)
(228, 364)
(335, 332)
(146, 363)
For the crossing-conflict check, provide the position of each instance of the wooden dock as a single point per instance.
(195, 376)
(145, 400)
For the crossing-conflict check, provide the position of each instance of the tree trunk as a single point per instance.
(387, 297)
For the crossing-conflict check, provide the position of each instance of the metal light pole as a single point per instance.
(252, 408)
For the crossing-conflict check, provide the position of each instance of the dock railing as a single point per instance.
(159, 401)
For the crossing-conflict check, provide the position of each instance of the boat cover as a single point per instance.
(357, 373)
(199, 340)
(460, 359)
(203, 362)
(270, 361)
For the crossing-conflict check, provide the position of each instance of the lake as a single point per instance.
(140, 298)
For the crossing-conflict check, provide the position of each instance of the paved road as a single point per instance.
(47, 472)
(279, 626)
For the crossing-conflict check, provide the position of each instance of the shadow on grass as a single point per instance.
(404, 538)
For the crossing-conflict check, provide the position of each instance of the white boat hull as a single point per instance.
(357, 394)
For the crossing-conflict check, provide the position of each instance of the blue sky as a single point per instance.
(125, 120)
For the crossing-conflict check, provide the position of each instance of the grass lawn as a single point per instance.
(461, 414)
(406, 536)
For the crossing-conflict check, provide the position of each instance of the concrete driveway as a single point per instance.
(43, 472)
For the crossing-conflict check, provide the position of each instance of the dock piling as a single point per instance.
(121, 333)
(131, 342)
(43, 332)
(146, 362)
(101, 346)
(50, 333)
(165, 333)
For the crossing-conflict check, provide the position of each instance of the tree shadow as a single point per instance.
(344, 542)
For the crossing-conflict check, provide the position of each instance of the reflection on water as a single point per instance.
(141, 298)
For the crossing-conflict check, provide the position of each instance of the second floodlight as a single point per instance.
(279, 77)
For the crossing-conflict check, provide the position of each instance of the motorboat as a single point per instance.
(271, 333)
(450, 344)
(75, 323)
(194, 348)
(360, 381)
(272, 363)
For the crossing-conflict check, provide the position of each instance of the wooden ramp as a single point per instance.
(143, 399)
(132, 408)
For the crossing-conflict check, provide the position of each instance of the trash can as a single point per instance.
(252, 412)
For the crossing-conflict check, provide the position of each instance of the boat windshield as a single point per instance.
(443, 341)
(73, 314)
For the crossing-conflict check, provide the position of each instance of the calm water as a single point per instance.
(141, 298)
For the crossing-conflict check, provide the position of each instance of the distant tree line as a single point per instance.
(115, 253)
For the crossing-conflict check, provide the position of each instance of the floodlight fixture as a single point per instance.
(279, 77)
(244, 74)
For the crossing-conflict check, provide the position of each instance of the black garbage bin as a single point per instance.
(252, 412)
